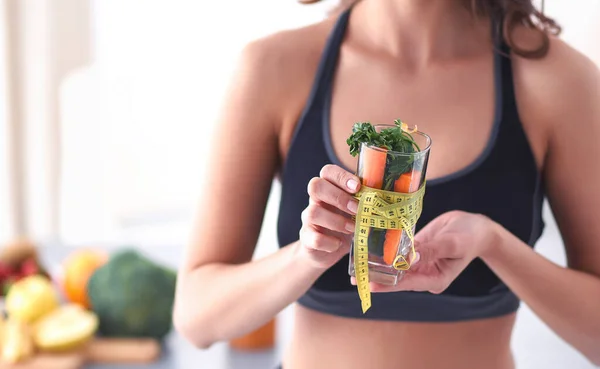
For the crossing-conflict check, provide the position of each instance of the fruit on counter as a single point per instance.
(11, 274)
(17, 344)
(6, 285)
(261, 338)
(133, 296)
(78, 268)
(30, 298)
(18, 259)
(29, 267)
(66, 328)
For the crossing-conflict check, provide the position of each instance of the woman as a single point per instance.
(513, 114)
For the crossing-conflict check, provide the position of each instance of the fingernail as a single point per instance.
(353, 206)
(417, 258)
(349, 227)
(352, 184)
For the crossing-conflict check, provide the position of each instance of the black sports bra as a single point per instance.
(503, 183)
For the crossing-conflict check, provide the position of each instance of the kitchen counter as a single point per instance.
(178, 353)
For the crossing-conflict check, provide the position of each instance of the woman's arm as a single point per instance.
(221, 293)
(567, 299)
(220, 301)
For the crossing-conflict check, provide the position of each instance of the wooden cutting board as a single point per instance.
(123, 351)
(74, 360)
(99, 351)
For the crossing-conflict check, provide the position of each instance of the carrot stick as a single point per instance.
(407, 183)
(373, 171)
(373, 167)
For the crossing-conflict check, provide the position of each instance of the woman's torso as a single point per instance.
(325, 341)
(455, 102)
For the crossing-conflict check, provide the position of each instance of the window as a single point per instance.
(136, 121)
(4, 150)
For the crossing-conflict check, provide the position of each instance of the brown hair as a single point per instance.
(512, 12)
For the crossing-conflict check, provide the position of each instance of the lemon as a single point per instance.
(17, 344)
(30, 298)
(66, 328)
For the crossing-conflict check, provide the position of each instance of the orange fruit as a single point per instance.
(78, 268)
(261, 338)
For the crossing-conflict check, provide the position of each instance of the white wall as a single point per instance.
(6, 227)
(42, 41)
(580, 20)
(135, 122)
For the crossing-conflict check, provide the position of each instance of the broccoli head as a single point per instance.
(132, 296)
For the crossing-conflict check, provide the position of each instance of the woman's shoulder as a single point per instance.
(288, 56)
(563, 76)
(293, 43)
(277, 70)
(562, 86)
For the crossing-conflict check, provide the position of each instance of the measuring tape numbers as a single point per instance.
(382, 210)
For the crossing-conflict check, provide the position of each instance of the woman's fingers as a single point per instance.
(321, 190)
(326, 230)
(410, 282)
(326, 226)
(442, 246)
(314, 239)
(340, 177)
(317, 215)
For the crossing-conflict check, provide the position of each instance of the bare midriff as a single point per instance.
(322, 341)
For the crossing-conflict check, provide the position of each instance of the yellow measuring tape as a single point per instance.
(383, 210)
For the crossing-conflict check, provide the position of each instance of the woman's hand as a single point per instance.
(327, 225)
(444, 249)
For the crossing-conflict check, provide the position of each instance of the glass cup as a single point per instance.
(379, 168)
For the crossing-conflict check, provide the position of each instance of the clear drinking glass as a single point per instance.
(373, 168)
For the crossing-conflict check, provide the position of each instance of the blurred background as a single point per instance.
(105, 110)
